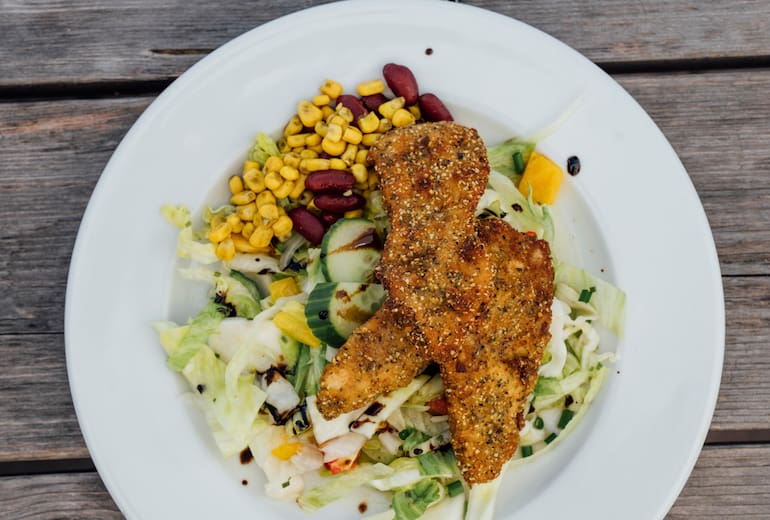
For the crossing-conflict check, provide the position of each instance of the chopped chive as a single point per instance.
(566, 417)
(550, 438)
(526, 451)
(585, 294)
(518, 162)
(455, 488)
(538, 423)
(286, 484)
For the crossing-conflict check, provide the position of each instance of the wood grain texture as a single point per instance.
(80, 42)
(718, 124)
(727, 482)
(57, 496)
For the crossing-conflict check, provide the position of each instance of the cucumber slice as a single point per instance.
(334, 310)
(350, 250)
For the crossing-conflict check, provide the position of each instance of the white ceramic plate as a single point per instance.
(632, 454)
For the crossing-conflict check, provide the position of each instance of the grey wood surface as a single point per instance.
(55, 42)
(728, 482)
(75, 75)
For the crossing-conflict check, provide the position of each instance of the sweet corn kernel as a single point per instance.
(261, 236)
(273, 180)
(311, 204)
(317, 149)
(312, 140)
(361, 156)
(237, 226)
(352, 135)
(349, 155)
(402, 117)
(242, 244)
(360, 172)
(296, 140)
(254, 180)
(226, 249)
(373, 180)
(345, 113)
(250, 165)
(282, 211)
(273, 164)
(282, 227)
(314, 165)
(321, 100)
(291, 159)
(333, 147)
(220, 232)
(243, 197)
(415, 110)
(236, 184)
(233, 219)
(294, 126)
(338, 120)
(321, 128)
(299, 187)
(308, 113)
(246, 212)
(248, 229)
(384, 126)
(284, 189)
(369, 123)
(327, 111)
(289, 173)
(354, 213)
(370, 139)
(331, 88)
(337, 164)
(369, 88)
(388, 108)
(265, 197)
(309, 154)
(268, 211)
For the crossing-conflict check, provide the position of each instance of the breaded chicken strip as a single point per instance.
(488, 382)
(432, 176)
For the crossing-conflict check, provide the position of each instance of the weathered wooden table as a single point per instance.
(75, 75)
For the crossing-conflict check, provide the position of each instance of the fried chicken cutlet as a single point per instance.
(487, 383)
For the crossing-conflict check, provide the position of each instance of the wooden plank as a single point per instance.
(41, 424)
(56, 42)
(57, 496)
(37, 419)
(718, 124)
(727, 482)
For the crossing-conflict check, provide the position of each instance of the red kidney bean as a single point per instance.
(353, 104)
(329, 218)
(338, 203)
(433, 109)
(307, 225)
(374, 101)
(330, 181)
(401, 81)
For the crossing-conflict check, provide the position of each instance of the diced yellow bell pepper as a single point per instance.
(544, 176)
(283, 287)
(286, 451)
(292, 322)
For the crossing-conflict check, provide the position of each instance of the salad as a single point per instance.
(289, 265)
